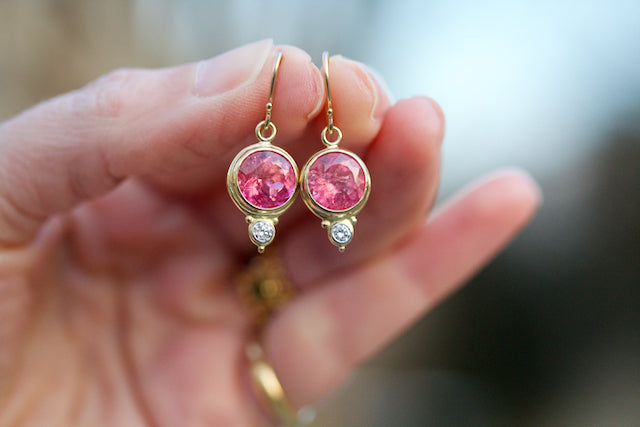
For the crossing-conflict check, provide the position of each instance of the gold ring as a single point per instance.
(269, 389)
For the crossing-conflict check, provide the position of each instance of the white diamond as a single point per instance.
(341, 233)
(262, 231)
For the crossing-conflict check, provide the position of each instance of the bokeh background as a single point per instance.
(549, 333)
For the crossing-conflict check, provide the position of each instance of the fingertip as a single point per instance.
(419, 115)
(437, 110)
(507, 196)
(405, 158)
(521, 188)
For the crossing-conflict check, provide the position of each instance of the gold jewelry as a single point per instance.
(263, 179)
(270, 391)
(335, 183)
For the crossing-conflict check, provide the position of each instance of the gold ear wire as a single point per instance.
(330, 129)
(274, 74)
(267, 124)
(325, 68)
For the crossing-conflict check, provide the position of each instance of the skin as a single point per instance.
(119, 243)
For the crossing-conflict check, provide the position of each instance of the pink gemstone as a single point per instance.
(266, 179)
(336, 181)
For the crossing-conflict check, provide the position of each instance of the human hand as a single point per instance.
(119, 242)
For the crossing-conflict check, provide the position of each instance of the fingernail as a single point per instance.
(232, 69)
(380, 83)
(381, 89)
(370, 79)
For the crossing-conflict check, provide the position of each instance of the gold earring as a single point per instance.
(263, 178)
(335, 183)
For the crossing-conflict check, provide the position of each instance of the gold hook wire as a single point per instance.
(325, 68)
(330, 129)
(274, 75)
(267, 124)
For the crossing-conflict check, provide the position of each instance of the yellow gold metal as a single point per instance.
(327, 141)
(262, 127)
(253, 213)
(270, 391)
(325, 68)
(331, 218)
(274, 74)
(265, 132)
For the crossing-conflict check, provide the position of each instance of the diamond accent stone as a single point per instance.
(266, 179)
(262, 231)
(341, 233)
(336, 181)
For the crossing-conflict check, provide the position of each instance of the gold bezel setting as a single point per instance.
(339, 223)
(266, 218)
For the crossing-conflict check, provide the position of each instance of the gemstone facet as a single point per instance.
(341, 233)
(266, 179)
(336, 181)
(262, 231)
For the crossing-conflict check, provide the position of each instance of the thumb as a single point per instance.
(180, 124)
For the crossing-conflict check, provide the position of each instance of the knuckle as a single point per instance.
(106, 96)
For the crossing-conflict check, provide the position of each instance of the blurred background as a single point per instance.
(549, 333)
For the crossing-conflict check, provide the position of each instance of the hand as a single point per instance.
(119, 241)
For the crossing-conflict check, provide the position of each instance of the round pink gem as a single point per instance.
(336, 181)
(266, 179)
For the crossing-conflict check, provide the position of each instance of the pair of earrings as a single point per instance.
(263, 179)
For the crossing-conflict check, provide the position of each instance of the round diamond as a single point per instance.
(336, 181)
(266, 179)
(341, 233)
(262, 231)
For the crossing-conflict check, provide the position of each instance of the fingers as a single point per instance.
(363, 103)
(318, 339)
(359, 99)
(176, 126)
(404, 161)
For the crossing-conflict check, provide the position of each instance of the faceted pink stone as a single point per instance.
(266, 179)
(336, 181)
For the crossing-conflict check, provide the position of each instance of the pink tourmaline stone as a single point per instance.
(336, 181)
(266, 179)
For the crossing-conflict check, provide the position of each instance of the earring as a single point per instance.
(263, 179)
(335, 182)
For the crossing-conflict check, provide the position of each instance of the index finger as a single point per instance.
(175, 125)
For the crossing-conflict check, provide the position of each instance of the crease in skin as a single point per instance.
(55, 358)
(31, 386)
(15, 265)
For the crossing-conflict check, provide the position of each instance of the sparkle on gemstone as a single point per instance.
(262, 231)
(336, 181)
(341, 233)
(266, 179)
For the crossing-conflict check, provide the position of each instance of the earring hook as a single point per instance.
(330, 129)
(267, 124)
(325, 68)
(274, 74)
